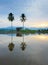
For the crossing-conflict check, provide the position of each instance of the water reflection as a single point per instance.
(19, 34)
(11, 46)
(23, 44)
(25, 50)
(41, 37)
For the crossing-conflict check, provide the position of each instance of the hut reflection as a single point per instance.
(18, 31)
(19, 34)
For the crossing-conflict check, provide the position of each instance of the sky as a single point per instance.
(36, 12)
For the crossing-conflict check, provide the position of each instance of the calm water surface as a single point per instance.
(33, 50)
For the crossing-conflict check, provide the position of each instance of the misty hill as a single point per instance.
(8, 30)
(14, 28)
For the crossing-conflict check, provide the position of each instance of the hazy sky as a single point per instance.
(36, 12)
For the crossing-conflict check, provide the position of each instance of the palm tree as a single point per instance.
(23, 18)
(11, 18)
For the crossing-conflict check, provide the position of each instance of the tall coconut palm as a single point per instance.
(23, 19)
(11, 18)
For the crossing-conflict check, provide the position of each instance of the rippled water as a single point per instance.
(33, 50)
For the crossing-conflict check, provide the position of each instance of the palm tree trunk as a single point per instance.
(11, 32)
(23, 37)
(23, 25)
(23, 30)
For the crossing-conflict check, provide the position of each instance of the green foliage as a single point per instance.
(10, 17)
(43, 31)
(23, 17)
(26, 31)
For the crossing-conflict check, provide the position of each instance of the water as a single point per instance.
(33, 51)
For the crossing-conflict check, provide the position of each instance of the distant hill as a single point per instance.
(14, 28)
(34, 28)
(8, 28)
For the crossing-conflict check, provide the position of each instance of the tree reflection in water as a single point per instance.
(11, 46)
(23, 44)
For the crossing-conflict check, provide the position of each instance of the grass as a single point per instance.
(28, 31)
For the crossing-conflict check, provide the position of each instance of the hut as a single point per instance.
(18, 32)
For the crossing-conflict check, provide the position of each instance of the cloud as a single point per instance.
(36, 12)
(32, 8)
(37, 9)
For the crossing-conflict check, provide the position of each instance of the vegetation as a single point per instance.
(26, 31)
(23, 18)
(11, 18)
(43, 31)
(22, 31)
